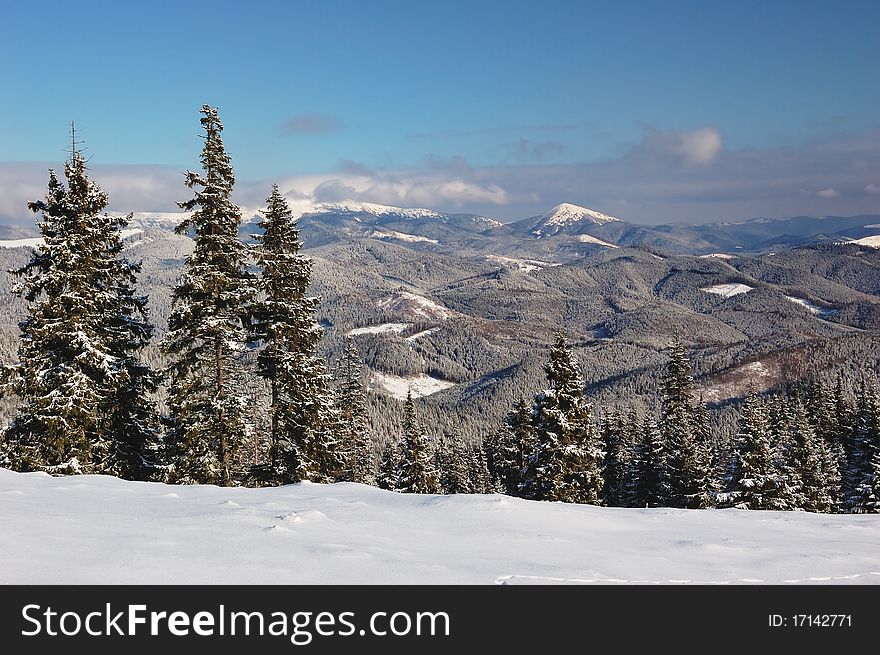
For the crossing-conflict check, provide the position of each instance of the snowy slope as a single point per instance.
(399, 386)
(728, 290)
(97, 529)
(586, 238)
(872, 241)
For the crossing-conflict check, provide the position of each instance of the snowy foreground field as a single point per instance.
(97, 529)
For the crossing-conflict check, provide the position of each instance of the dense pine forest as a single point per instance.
(241, 390)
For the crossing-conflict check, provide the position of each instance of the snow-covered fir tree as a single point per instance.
(480, 479)
(86, 395)
(863, 464)
(454, 465)
(755, 480)
(688, 465)
(646, 482)
(386, 476)
(304, 425)
(566, 462)
(808, 456)
(209, 327)
(513, 445)
(788, 494)
(615, 440)
(351, 399)
(416, 472)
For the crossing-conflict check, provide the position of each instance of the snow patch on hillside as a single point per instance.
(400, 236)
(419, 385)
(586, 238)
(728, 290)
(718, 255)
(414, 304)
(21, 243)
(815, 309)
(871, 241)
(740, 380)
(423, 333)
(92, 529)
(379, 329)
(525, 265)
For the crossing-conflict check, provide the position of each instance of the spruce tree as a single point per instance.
(567, 460)
(303, 421)
(516, 441)
(386, 476)
(754, 479)
(688, 465)
(479, 479)
(615, 442)
(863, 465)
(453, 464)
(416, 472)
(86, 395)
(353, 435)
(788, 493)
(808, 458)
(646, 481)
(209, 327)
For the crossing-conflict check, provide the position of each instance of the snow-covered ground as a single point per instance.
(872, 241)
(399, 386)
(525, 265)
(416, 305)
(728, 290)
(21, 243)
(806, 304)
(400, 236)
(379, 329)
(97, 529)
(586, 238)
(718, 255)
(423, 333)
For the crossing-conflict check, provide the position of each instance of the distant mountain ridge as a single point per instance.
(566, 226)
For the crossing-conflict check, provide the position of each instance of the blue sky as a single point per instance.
(655, 111)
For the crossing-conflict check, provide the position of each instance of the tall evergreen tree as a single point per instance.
(479, 478)
(687, 461)
(302, 412)
(515, 442)
(755, 479)
(386, 476)
(454, 465)
(85, 392)
(646, 480)
(615, 439)
(863, 465)
(416, 472)
(567, 460)
(354, 435)
(809, 462)
(210, 324)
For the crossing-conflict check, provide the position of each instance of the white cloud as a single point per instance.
(436, 189)
(667, 177)
(700, 146)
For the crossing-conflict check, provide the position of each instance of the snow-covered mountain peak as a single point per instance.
(567, 214)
